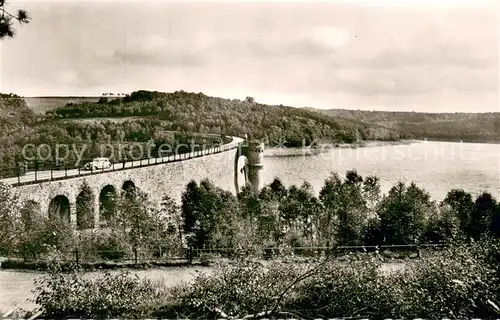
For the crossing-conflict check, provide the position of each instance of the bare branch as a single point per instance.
(302, 277)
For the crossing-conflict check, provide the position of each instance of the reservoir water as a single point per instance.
(438, 167)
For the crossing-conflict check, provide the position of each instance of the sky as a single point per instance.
(427, 56)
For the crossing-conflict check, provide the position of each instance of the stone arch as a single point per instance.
(128, 185)
(128, 188)
(107, 202)
(85, 208)
(59, 207)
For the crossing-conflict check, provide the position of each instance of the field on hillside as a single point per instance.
(107, 119)
(41, 105)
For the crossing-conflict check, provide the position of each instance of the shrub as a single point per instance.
(456, 283)
(246, 288)
(353, 288)
(105, 245)
(460, 282)
(46, 237)
(111, 249)
(110, 295)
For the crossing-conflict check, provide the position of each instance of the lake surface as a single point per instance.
(436, 166)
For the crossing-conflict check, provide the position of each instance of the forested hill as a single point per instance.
(197, 112)
(14, 114)
(470, 127)
(20, 126)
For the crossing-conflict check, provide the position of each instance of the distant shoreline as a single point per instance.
(307, 151)
(323, 148)
(461, 141)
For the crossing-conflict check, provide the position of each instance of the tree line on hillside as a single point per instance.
(179, 111)
(20, 127)
(469, 127)
(201, 113)
(349, 211)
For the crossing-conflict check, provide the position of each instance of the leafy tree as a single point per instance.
(227, 223)
(200, 207)
(171, 213)
(442, 227)
(290, 208)
(462, 206)
(372, 232)
(310, 213)
(210, 216)
(191, 214)
(299, 211)
(252, 209)
(40, 235)
(352, 212)
(482, 218)
(250, 202)
(7, 20)
(30, 227)
(403, 214)
(330, 198)
(344, 202)
(278, 190)
(371, 193)
(9, 206)
(250, 99)
(137, 218)
(85, 207)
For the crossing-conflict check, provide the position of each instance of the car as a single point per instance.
(98, 164)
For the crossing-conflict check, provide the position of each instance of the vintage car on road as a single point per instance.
(98, 164)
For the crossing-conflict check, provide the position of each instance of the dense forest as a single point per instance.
(469, 127)
(200, 113)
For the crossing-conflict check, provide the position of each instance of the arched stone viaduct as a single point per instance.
(223, 168)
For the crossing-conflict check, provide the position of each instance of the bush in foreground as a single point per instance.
(73, 294)
(460, 282)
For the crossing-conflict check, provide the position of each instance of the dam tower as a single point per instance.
(253, 151)
(255, 164)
